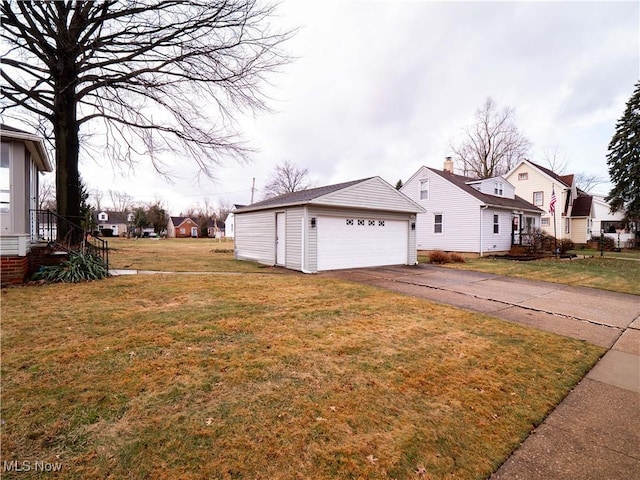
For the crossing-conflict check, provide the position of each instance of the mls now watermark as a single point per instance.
(31, 466)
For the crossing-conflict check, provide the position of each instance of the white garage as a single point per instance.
(363, 223)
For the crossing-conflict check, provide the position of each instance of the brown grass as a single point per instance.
(176, 255)
(268, 376)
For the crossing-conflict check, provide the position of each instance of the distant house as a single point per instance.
(23, 157)
(229, 223)
(362, 223)
(119, 223)
(468, 215)
(215, 228)
(182, 227)
(578, 215)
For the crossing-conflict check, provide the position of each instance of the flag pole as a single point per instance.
(555, 232)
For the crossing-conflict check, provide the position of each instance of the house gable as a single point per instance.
(370, 194)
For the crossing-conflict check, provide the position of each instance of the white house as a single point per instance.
(23, 157)
(229, 223)
(578, 215)
(362, 223)
(466, 215)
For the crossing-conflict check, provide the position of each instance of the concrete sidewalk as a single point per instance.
(595, 431)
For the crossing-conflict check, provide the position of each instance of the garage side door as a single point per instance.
(361, 242)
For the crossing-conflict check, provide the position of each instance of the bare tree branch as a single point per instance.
(492, 145)
(286, 178)
(161, 76)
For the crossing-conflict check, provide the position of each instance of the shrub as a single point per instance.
(440, 257)
(565, 245)
(80, 267)
(457, 258)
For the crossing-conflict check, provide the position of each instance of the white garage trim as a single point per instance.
(349, 242)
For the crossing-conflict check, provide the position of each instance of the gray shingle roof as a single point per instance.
(493, 200)
(299, 197)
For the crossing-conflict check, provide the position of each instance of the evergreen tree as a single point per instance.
(624, 160)
(399, 184)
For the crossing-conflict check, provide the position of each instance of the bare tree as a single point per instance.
(556, 160)
(286, 178)
(121, 202)
(588, 181)
(161, 76)
(492, 145)
(47, 191)
(224, 209)
(96, 196)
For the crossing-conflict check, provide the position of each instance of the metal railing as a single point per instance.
(48, 227)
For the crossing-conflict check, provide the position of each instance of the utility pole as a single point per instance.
(253, 188)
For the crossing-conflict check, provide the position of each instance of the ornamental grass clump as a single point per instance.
(80, 267)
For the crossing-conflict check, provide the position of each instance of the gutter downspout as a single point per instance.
(482, 208)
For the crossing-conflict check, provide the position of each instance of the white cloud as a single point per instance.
(380, 88)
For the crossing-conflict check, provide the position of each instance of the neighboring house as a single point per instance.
(182, 227)
(118, 222)
(215, 228)
(23, 157)
(229, 223)
(578, 215)
(467, 215)
(362, 223)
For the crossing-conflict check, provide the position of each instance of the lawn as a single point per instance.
(606, 273)
(268, 376)
(176, 255)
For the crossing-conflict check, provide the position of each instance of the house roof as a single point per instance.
(34, 144)
(492, 200)
(582, 206)
(299, 197)
(566, 180)
(112, 217)
(177, 221)
(371, 193)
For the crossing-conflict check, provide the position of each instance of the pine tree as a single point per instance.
(624, 160)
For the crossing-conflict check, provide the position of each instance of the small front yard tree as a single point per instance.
(159, 75)
(624, 160)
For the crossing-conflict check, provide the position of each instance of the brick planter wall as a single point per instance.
(14, 269)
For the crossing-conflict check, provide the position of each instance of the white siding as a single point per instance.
(293, 255)
(491, 242)
(373, 194)
(461, 222)
(229, 226)
(14, 245)
(255, 236)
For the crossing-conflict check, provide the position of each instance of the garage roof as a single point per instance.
(359, 194)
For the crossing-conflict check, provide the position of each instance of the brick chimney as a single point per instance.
(448, 164)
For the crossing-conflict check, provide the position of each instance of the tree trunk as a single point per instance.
(66, 130)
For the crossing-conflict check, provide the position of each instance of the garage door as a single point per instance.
(361, 242)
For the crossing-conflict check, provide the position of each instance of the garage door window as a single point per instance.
(381, 223)
(349, 221)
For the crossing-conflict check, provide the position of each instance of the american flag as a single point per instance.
(552, 203)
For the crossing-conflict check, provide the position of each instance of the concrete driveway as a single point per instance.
(595, 432)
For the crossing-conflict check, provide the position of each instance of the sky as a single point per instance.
(380, 88)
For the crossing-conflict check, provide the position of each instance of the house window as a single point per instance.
(103, 217)
(437, 223)
(5, 179)
(182, 231)
(523, 176)
(544, 221)
(498, 187)
(496, 224)
(567, 225)
(424, 189)
(530, 223)
(538, 199)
